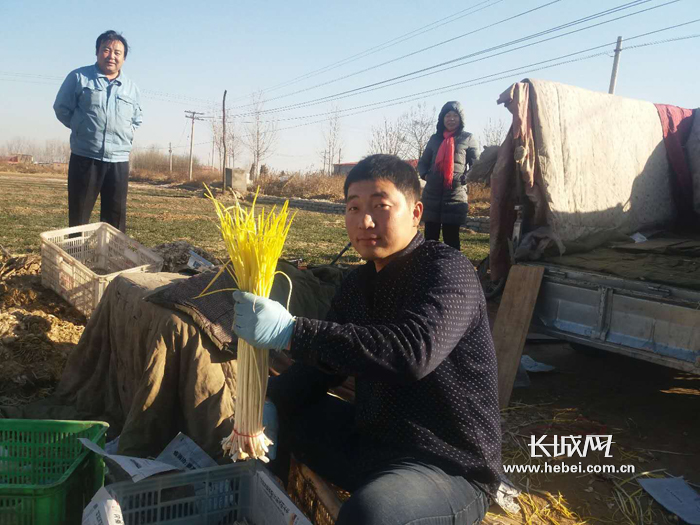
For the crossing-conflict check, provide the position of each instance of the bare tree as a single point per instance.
(419, 124)
(390, 138)
(216, 131)
(62, 151)
(233, 141)
(48, 153)
(494, 133)
(262, 134)
(56, 150)
(17, 145)
(332, 142)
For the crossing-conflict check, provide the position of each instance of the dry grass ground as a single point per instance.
(651, 411)
(32, 204)
(37, 328)
(331, 188)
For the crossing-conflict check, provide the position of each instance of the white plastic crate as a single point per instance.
(78, 263)
(222, 495)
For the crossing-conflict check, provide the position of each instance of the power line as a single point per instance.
(473, 82)
(192, 115)
(182, 133)
(501, 75)
(433, 69)
(197, 101)
(402, 80)
(179, 99)
(665, 41)
(48, 82)
(380, 47)
(393, 81)
(410, 54)
(151, 148)
(148, 93)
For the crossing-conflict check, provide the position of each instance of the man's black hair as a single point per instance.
(111, 36)
(386, 167)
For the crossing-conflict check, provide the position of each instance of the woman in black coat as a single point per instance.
(444, 164)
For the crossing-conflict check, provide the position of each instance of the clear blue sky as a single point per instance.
(189, 52)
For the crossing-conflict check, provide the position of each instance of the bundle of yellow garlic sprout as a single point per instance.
(254, 245)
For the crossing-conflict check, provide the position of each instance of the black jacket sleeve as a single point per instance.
(444, 305)
(301, 385)
(425, 160)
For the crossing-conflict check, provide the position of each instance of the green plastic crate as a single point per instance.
(46, 474)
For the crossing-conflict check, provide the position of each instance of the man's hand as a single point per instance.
(262, 322)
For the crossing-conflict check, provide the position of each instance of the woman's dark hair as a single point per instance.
(111, 36)
(386, 167)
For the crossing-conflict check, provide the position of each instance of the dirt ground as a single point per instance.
(651, 411)
(38, 330)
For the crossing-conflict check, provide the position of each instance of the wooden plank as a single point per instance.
(512, 324)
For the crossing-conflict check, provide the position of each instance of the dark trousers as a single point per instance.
(322, 436)
(450, 233)
(88, 178)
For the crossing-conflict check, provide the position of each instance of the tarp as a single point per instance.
(676, 265)
(146, 370)
(151, 371)
(676, 124)
(692, 149)
(584, 162)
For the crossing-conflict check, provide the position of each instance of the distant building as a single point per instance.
(345, 167)
(18, 158)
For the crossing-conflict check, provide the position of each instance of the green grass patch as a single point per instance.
(31, 206)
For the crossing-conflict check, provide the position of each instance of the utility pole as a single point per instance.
(170, 150)
(192, 115)
(223, 138)
(616, 64)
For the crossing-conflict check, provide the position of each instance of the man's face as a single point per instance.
(110, 57)
(379, 220)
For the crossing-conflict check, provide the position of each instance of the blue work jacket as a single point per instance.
(102, 114)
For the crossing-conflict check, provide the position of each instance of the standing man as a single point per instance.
(102, 108)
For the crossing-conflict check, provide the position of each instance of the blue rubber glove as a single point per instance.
(271, 426)
(262, 322)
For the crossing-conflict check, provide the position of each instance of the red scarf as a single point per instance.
(445, 158)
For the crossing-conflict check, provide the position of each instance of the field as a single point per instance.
(31, 204)
(651, 411)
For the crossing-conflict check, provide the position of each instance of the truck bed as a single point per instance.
(641, 301)
(672, 261)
